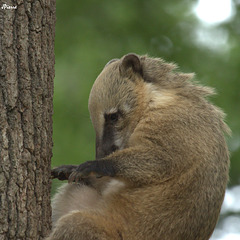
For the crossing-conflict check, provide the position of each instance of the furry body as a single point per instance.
(161, 156)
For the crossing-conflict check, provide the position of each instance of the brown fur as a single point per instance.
(171, 164)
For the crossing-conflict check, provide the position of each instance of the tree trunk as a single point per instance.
(26, 106)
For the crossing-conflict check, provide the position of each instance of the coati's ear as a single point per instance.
(131, 61)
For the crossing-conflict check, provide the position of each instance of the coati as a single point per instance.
(161, 165)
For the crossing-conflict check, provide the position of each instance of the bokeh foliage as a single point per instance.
(90, 33)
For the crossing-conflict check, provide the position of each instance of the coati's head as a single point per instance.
(126, 89)
(114, 102)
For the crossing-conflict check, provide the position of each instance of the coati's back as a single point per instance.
(165, 143)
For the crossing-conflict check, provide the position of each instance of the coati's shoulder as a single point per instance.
(167, 79)
(166, 75)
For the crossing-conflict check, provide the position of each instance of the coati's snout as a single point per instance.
(111, 138)
(104, 148)
(107, 143)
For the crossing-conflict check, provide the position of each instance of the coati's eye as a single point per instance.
(112, 117)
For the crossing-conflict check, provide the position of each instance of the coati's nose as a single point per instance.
(114, 148)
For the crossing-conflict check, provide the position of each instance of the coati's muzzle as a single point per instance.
(105, 147)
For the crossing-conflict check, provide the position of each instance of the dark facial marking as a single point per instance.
(106, 145)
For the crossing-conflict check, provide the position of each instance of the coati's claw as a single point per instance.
(63, 172)
(74, 177)
(96, 168)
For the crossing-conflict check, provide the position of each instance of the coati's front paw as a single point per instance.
(98, 168)
(63, 172)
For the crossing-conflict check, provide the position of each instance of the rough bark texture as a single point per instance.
(26, 96)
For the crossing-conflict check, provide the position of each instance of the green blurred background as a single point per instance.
(194, 34)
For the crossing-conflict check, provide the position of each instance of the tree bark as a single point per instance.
(27, 30)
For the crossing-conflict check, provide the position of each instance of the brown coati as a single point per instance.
(161, 165)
